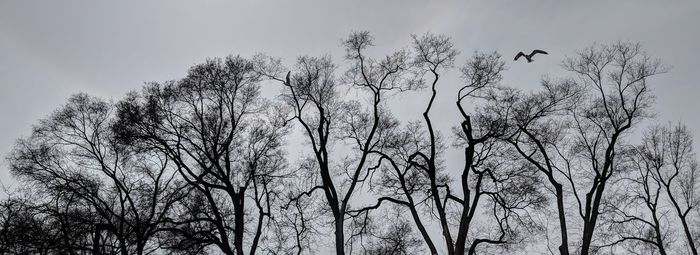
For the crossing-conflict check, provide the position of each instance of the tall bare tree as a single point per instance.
(414, 176)
(667, 154)
(225, 143)
(573, 130)
(638, 217)
(74, 155)
(312, 90)
(618, 97)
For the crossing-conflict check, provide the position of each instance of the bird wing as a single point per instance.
(286, 79)
(538, 51)
(520, 54)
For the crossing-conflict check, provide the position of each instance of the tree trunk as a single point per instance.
(96, 240)
(239, 214)
(688, 235)
(592, 219)
(122, 246)
(657, 229)
(339, 235)
(564, 247)
(140, 246)
(467, 215)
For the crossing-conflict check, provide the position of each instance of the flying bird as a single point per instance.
(529, 57)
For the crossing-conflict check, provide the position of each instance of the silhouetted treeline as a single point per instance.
(203, 164)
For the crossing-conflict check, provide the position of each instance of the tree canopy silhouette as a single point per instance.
(204, 164)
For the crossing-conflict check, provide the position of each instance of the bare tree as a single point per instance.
(665, 182)
(667, 156)
(618, 96)
(486, 173)
(73, 155)
(511, 190)
(639, 229)
(413, 176)
(434, 53)
(573, 130)
(225, 143)
(536, 137)
(327, 119)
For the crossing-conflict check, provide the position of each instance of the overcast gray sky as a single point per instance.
(52, 49)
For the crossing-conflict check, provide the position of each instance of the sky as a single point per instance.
(50, 50)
